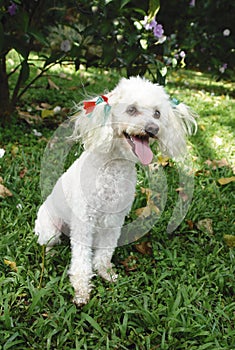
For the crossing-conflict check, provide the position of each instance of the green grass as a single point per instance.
(180, 296)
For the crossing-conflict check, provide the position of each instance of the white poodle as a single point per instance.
(91, 199)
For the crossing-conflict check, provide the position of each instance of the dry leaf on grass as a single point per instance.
(130, 263)
(150, 207)
(29, 118)
(143, 212)
(65, 76)
(190, 224)
(230, 240)
(202, 127)
(205, 225)
(182, 194)
(14, 150)
(44, 105)
(23, 173)
(52, 85)
(144, 248)
(45, 113)
(226, 180)
(216, 163)
(4, 192)
(163, 161)
(11, 264)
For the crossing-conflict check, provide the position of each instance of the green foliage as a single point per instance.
(97, 33)
(205, 31)
(118, 34)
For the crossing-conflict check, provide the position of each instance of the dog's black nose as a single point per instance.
(152, 129)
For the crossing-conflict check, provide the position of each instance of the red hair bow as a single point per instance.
(90, 105)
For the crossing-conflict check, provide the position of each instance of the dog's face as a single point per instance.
(139, 111)
(142, 111)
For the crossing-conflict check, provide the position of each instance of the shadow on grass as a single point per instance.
(202, 81)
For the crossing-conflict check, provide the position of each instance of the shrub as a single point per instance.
(96, 33)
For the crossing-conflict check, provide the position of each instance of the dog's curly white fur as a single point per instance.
(93, 196)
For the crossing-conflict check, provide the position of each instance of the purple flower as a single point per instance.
(182, 54)
(192, 3)
(158, 30)
(154, 26)
(12, 9)
(223, 68)
(149, 25)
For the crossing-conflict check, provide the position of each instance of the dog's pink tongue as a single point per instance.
(142, 150)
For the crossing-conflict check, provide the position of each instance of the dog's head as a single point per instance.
(131, 115)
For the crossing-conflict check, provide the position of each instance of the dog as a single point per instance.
(93, 197)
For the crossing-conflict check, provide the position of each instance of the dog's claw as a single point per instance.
(80, 301)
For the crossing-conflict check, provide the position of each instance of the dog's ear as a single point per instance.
(187, 118)
(94, 129)
(179, 122)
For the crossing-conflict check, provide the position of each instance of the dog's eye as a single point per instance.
(156, 114)
(132, 110)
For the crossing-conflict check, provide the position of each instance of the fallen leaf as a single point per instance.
(144, 248)
(230, 240)
(143, 212)
(190, 224)
(11, 264)
(216, 163)
(73, 88)
(23, 172)
(14, 150)
(52, 85)
(182, 194)
(45, 113)
(222, 162)
(146, 191)
(205, 225)
(29, 118)
(45, 105)
(64, 76)
(202, 172)
(163, 161)
(4, 192)
(226, 180)
(130, 263)
(202, 127)
(146, 211)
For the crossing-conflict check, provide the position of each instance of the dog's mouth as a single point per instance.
(140, 147)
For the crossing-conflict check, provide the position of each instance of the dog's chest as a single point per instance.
(108, 184)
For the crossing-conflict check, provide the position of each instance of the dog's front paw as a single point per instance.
(108, 274)
(79, 300)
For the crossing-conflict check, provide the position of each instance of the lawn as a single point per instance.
(175, 290)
